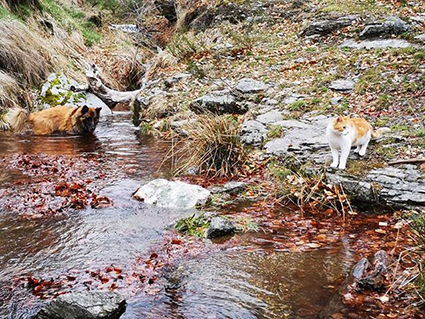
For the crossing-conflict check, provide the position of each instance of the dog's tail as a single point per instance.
(16, 118)
(378, 133)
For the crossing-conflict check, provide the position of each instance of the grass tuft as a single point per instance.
(213, 146)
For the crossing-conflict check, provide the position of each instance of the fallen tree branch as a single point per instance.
(408, 161)
(109, 96)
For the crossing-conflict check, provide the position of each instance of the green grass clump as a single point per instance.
(194, 225)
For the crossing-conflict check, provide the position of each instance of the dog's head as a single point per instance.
(89, 117)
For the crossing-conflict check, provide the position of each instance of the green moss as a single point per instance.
(146, 128)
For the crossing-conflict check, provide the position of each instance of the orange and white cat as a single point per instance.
(344, 132)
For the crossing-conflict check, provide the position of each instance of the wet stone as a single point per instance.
(172, 194)
(229, 188)
(87, 305)
(220, 227)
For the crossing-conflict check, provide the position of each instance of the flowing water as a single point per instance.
(252, 280)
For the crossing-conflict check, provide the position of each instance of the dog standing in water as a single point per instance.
(58, 119)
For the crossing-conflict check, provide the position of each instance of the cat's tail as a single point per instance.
(16, 118)
(378, 133)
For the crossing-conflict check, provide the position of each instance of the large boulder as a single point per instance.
(218, 102)
(57, 90)
(87, 305)
(387, 26)
(172, 194)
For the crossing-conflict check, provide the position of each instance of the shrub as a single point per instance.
(213, 146)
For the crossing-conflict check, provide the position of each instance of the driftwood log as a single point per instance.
(109, 96)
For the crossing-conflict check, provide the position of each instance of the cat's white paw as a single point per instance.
(341, 166)
(362, 153)
(334, 164)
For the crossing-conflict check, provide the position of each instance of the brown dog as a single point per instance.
(64, 119)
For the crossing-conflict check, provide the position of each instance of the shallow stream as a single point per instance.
(254, 279)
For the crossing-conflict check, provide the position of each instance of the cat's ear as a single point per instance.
(339, 119)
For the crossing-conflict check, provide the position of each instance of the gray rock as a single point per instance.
(87, 305)
(391, 25)
(270, 117)
(271, 102)
(230, 188)
(378, 44)
(420, 37)
(302, 138)
(293, 98)
(176, 78)
(58, 90)
(218, 102)
(247, 85)
(336, 100)
(220, 227)
(342, 85)
(172, 194)
(324, 27)
(253, 132)
(397, 187)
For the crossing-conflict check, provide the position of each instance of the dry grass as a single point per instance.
(22, 54)
(9, 90)
(307, 188)
(213, 147)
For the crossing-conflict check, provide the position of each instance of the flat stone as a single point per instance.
(336, 100)
(420, 37)
(293, 98)
(270, 117)
(247, 85)
(172, 194)
(324, 27)
(87, 305)
(230, 188)
(378, 44)
(388, 186)
(220, 227)
(342, 85)
(253, 132)
(218, 102)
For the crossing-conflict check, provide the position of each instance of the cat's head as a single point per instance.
(340, 125)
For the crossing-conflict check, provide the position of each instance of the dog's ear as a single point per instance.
(98, 109)
(84, 109)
